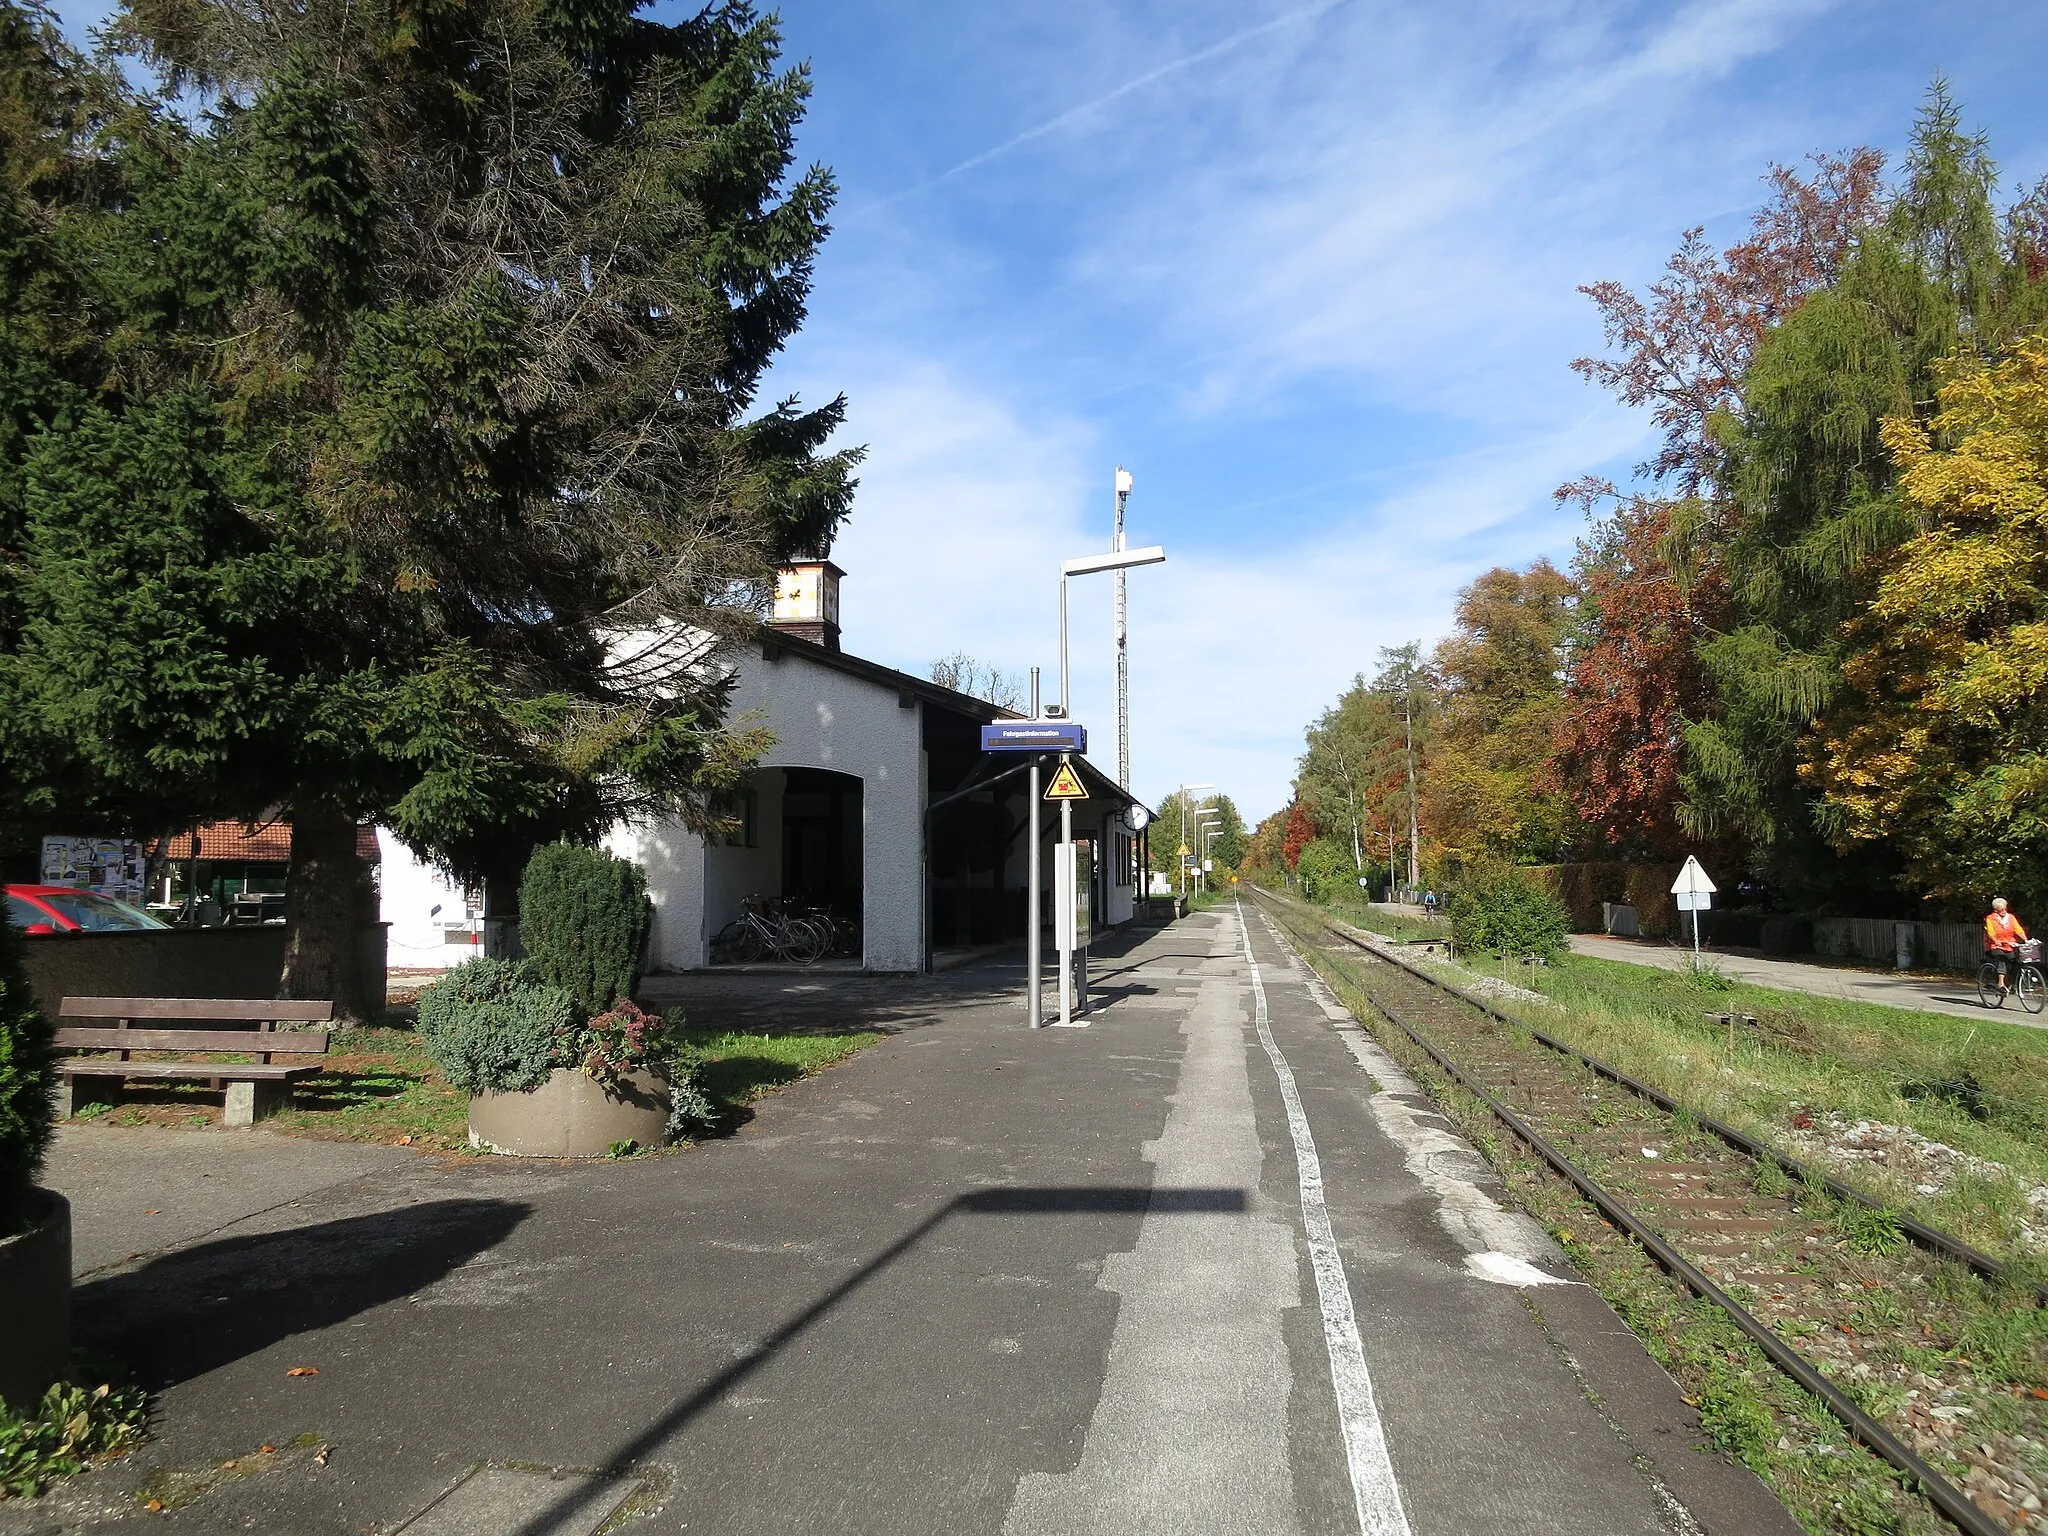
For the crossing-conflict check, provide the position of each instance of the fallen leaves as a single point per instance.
(303, 1370)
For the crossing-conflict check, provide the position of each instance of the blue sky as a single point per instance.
(1309, 272)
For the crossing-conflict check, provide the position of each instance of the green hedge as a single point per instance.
(1325, 869)
(25, 1083)
(1504, 910)
(583, 922)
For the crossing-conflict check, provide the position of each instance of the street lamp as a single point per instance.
(1119, 560)
(1088, 565)
(1207, 824)
(1179, 858)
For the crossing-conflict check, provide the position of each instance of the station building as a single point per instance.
(868, 805)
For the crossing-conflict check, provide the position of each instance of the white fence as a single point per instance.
(1934, 946)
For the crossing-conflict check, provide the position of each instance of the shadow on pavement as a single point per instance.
(1054, 1200)
(200, 1308)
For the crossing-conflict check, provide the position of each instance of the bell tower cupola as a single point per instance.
(807, 602)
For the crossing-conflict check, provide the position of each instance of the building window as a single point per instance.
(746, 827)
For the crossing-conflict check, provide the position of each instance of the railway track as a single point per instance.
(1885, 1320)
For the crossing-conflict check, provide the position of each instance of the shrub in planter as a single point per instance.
(1503, 910)
(583, 922)
(494, 1026)
(25, 1082)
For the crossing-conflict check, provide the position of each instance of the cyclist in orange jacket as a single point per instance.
(2003, 935)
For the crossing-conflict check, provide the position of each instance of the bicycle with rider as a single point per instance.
(2003, 935)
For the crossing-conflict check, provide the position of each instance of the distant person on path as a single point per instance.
(2003, 935)
(1429, 903)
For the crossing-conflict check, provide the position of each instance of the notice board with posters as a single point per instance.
(112, 866)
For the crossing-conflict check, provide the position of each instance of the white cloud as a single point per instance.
(966, 509)
(1236, 228)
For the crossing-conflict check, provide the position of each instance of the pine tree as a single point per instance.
(424, 478)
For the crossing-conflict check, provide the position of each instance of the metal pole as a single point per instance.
(1034, 1005)
(1066, 710)
(1414, 866)
(1182, 842)
(1065, 935)
(1123, 658)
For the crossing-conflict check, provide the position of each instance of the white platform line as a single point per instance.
(1373, 1486)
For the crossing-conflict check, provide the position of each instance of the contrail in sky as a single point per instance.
(1053, 125)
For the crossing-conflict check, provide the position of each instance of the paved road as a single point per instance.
(1209, 1265)
(1955, 997)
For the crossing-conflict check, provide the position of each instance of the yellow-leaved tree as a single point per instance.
(1941, 742)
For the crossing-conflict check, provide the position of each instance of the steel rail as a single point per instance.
(1940, 1492)
(1931, 1238)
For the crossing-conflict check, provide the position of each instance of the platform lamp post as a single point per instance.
(1118, 560)
(1205, 832)
(1184, 829)
(1088, 565)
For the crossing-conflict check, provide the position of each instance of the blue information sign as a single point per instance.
(1034, 736)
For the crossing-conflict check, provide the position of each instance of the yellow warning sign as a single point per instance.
(1185, 850)
(1066, 784)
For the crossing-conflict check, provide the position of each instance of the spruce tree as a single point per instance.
(422, 478)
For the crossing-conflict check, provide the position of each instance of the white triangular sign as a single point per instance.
(1692, 879)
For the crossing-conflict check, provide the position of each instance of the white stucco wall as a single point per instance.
(409, 892)
(822, 718)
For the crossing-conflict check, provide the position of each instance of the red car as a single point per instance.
(42, 910)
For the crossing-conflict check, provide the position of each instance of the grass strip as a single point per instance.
(1812, 1070)
(379, 1084)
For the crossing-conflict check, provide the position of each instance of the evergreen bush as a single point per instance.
(492, 1026)
(25, 1082)
(583, 920)
(1503, 910)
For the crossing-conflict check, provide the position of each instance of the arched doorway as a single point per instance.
(822, 848)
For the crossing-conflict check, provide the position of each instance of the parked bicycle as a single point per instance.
(2028, 982)
(764, 931)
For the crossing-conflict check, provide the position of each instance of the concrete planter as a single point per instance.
(35, 1299)
(571, 1115)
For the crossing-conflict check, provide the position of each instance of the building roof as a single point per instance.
(777, 642)
(268, 842)
(1100, 784)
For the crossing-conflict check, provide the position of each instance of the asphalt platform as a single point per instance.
(1173, 1272)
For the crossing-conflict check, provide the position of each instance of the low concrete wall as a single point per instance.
(174, 962)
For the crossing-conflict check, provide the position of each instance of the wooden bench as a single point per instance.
(254, 1088)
